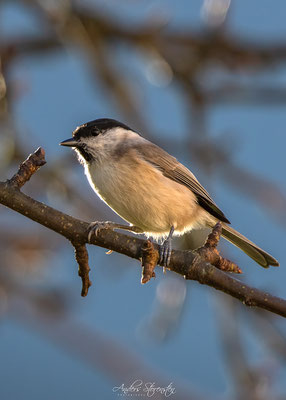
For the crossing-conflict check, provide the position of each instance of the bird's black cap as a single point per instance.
(96, 127)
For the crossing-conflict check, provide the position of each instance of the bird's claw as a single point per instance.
(95, 227)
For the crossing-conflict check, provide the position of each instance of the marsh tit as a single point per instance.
(148, 188)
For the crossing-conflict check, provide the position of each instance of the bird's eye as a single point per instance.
(95, 131)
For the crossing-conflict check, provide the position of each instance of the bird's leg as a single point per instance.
(95, 227)
(166, 249)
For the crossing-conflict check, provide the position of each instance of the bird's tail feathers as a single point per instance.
(251, 249)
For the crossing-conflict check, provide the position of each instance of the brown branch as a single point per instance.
(24, 173)
(186, 263)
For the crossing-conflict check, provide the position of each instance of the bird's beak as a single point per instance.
(69, 142)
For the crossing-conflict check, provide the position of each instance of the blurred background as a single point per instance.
(204, 79)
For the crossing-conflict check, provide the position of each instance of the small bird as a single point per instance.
(149, 188)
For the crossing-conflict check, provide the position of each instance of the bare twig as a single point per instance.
(24, 173)
(149, 261)
(81, 256)
(210, 253)
(28, 168)
(186, 263)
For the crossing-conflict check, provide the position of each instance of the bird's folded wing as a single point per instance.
(172, 169)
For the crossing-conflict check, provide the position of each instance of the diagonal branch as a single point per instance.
(28, 168)
(186, 263)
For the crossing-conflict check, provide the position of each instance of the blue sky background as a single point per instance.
(60, 96)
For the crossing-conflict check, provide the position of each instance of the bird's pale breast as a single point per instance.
(144, 197)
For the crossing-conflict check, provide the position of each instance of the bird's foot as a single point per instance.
(95, 227)
(166, 250)
(165, 253)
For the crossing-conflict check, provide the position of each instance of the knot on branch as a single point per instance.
(150, 258)
(28, 168)
(210, 253)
